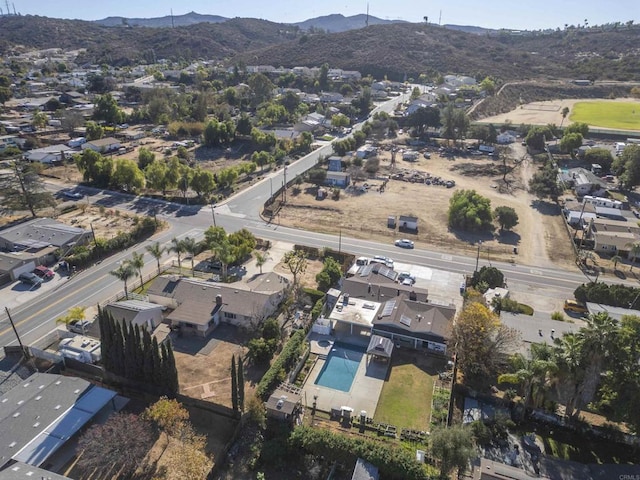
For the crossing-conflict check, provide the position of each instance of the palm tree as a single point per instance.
(124, 272)
(223, 251)
(565, 112)
(261, 259)
(191, 247)
(177, 246)
(615, 259)
(634, 252)
(532, 374)
(137, 262)
(156, 252)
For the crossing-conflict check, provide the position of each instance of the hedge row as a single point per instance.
(605, 294)
(279, 368)
(394, 462)
(314, 294)
(84, 255)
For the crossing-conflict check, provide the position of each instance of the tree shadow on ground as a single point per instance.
(508, 237)
(479, 169)
(546, 208)
(472, 238)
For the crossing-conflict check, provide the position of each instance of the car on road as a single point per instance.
(44, 272)
(404, 243)
(79, 326)
(30, 278)
(72, 195)
(575, 306)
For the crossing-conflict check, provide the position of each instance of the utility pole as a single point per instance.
(213, 214)
(340, 241)
(284, 187)
(24, 352)
(94, 234)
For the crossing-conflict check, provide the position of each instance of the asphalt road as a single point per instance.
(36, 319)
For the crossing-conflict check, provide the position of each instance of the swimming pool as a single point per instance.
(340, 367)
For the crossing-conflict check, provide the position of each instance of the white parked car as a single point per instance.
(79, 326)
(404, 243)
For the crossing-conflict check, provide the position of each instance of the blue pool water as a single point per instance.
(340, 367)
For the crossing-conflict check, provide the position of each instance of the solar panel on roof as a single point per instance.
(388, 308)
(405, 320)
(366, 270)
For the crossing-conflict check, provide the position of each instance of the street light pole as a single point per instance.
(284, 192)
(213, 214)
(24, 352)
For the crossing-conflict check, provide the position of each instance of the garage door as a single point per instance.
(27, 267)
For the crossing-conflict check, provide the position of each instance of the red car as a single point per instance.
(44, 272)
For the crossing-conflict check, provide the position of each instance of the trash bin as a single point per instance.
(515, 250)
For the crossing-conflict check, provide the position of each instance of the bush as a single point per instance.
(559, 316)
(489, 275)
(313, 294)
(317, 309)
(470, 211)
(280, 367)
(394, 462)
(615, 295)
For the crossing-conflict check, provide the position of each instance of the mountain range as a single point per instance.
(395, 49)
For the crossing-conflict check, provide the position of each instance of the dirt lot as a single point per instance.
(105, 224)
(542, 113)
(540, 236)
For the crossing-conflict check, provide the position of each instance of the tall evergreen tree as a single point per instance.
(240, 384)
(139, 353)
(147, 366)
(234, 384)
(118, 349)
(129, 350)
(156, 375)
(172, 385)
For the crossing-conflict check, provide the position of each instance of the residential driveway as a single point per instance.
(17, 293)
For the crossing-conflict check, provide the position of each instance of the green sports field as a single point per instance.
(616, 115)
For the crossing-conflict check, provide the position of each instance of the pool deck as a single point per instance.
(365, 389)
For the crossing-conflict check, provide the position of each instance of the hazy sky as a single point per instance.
(525, 14)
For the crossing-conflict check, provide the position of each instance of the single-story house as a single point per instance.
(366, 151)
(40, 233)
(338, 179)
(285, 404)
(200, 306)
(72, 97)
(45, 411)
(613, 243)
(413, 324)
(408, 222)
(614, 312)
(7, 141)
(505, 138)
(379, 283)
(331, 97)
(12, 264)
(584, 182)
(137, 312)
(578, 214)
(606, 225)
(312, 122)
(131, 135)
(103, 145)
(50, 154)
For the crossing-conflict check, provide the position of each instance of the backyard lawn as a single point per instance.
(405, 400)
(618, 115)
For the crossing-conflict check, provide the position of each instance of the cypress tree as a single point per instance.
(171, 372)
(234, 384)
(156, 374)
(138, 369)
(129, 350)
(147, 366)
(240, 384)
(118, 348)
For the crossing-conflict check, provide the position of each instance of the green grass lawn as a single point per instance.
(405, 400)
(617, 115)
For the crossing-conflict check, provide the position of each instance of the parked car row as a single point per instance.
(35, 278)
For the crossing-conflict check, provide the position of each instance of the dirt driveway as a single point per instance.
(540, 235)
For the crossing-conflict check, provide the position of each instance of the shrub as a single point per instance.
(317, 309)
(559, 316)
(313, 294)
(286, 360)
